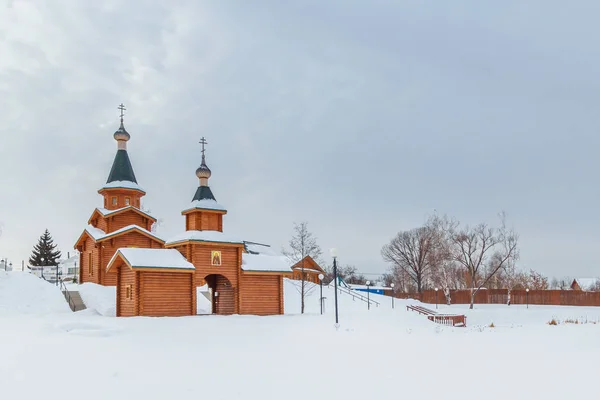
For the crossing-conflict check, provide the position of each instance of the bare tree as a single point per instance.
(443, 264)
(301, 245)
(537, 281)
(410, 251)
(483, 251)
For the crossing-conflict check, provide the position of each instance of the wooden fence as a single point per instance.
(500, 296)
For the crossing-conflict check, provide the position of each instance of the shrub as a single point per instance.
(553, 322)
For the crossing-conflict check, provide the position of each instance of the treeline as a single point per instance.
(446, 254)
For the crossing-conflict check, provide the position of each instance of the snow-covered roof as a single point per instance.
(153, 258)
(258, 248)
(265, 263)
(205, 204)
(99, 234)
(587, 283)
(204, 236)
(123, 185)
(94, 232)
(299, 268)
(105, 212)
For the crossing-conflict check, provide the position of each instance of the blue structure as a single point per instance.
(374, 289)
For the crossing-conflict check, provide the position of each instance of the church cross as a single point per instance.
(203, 142)
(122, 109)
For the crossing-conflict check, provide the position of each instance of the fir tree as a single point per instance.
(44, 253)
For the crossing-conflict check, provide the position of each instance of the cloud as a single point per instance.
(360, 119)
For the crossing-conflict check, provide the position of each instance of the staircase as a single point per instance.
(76, 302)
(73, 298)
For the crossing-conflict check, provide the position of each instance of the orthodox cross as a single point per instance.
(122, 109)
(203, 142)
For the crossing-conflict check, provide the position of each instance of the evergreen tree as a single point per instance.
(44, 252)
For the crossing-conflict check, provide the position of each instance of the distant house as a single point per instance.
(585, 284)
(312, 270)
(67, 269)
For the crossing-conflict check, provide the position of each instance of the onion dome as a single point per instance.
(121, 135)
(203, 172)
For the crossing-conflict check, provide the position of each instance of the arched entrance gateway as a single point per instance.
(222, 294)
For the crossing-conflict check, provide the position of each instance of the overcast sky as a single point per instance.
(360, 117)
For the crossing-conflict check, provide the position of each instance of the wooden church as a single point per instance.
(157, 277)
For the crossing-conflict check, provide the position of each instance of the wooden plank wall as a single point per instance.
(201, 258)
(261, 294)
(166, 294)
(130, 239)
(128, 218)
(500, 296)
(204, 221)
(127, 307)
(85, 266)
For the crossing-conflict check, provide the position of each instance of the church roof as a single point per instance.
(99, 235)
(204, 236)
(121, 170)
(203, 193)
(265, 263)
(170, 259)
(204, 205)
(106, 213)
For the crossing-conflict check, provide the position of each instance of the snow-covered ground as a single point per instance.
(47, 352)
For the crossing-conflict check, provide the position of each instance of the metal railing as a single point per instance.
(356, 295)
(67, 295)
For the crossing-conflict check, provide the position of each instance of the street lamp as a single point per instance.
(436, 298)
(335, 278)
(392, 285)
(368, 301)
(527, 296)
(321, 276)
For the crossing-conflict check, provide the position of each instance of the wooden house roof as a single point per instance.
(310, 265)
(169, 260)
(98, 235)
(204, 236)
(109, 213)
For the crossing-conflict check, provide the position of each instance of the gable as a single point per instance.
(309, 264)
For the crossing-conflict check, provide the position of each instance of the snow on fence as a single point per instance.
(500, 296)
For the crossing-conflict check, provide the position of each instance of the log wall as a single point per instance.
(127, 291)
(204, 221)
(166, 294)
(261, 294)
(120, 195)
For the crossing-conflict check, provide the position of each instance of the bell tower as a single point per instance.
(121, 188)
(204, 213)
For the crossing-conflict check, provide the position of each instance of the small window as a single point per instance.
(114, 201)
(90, 266)
(128, 295)
(127, 201)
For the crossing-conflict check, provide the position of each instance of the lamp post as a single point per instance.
(368, 301)
(436, 298)
(527, 296)
(10, 269)
(334, 255)
(321, 276)
(392, 285)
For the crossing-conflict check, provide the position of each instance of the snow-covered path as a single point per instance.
(378, 353)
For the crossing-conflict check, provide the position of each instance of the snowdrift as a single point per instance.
(24, 293)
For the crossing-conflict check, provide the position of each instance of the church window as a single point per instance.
(91, 268)
(129, 290)
(114, 201)
(127, 201)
